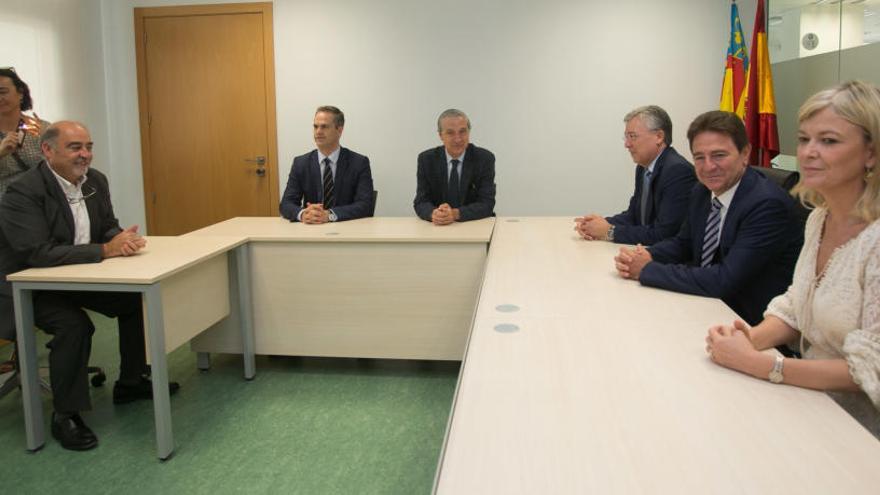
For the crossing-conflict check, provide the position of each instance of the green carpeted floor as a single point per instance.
(304, 425)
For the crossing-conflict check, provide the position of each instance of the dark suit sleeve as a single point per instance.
(422, 202)
(760, 235)
(24, 218)
(673, 192)
(291, 200)
(363, 195)
(628, 216)
(484, 184)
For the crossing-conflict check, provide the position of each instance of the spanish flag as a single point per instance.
(760, 115)
(735, 69)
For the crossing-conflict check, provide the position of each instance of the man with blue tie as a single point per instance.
(330, 183)
(456, 181)
(739, 242)
(663, 183)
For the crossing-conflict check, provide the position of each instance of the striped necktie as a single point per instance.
(329, 199)
(713, 228)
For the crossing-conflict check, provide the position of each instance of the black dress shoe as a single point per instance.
(72, 433)
(123, 394)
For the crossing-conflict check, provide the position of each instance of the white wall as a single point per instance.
(55, 46)
(546, 85)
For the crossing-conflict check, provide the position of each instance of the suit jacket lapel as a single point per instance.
(440, 170)
(317, 180)
(742, 191)
(92, 207)
(341, 167)
(53, 188)
(466, 173)
(655, 179)
(699, 227)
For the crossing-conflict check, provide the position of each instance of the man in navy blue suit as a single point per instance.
(664, 180)
(739, 241)
(331, 183)
(456, 181)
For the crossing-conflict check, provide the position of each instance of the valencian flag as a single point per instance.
(735, 69)
(760, 116)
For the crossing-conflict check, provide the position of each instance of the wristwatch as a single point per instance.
(775, 375)
(610, 234)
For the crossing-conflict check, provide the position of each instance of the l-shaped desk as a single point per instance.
(573, 380)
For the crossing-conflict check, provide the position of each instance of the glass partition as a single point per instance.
(814, 44)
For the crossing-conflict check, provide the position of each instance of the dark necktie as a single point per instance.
(646, 188)
(453, 195)
(711, 239)
(329, 200)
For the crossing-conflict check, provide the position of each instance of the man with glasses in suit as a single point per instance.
(59, 213)
(663, 183)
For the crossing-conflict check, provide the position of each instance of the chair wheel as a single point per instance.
(98, 379)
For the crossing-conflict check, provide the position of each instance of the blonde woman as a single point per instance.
(832, 308)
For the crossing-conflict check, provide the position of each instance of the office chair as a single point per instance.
(373, 207)
(10, 379)
(786, 179)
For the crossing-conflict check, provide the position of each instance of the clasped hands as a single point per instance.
(630, 261)
(125, 243)
(592, 227)
(445, 215)
(314, 213)
(731, 346)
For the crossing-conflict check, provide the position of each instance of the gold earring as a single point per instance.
(869, 172)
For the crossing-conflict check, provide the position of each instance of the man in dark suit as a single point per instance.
(739, 242)
(456, 181)
(664, 180)
(328, 184)
(59, 213)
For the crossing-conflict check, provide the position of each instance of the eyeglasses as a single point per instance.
(79, 199)
(630, 136)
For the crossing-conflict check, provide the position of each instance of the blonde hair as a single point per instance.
(858, 102)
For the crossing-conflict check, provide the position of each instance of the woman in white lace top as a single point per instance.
(833, 305)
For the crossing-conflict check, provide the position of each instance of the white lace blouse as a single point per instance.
(838, 313)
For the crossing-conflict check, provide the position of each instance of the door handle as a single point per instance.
(260, 160)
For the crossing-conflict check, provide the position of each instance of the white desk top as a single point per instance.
(606, 388)
(161, 258)
(375, 229)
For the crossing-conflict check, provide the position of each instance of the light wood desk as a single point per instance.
(373, 287)
(606, 388)
(185, 287)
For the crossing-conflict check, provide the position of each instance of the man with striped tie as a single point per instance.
(663, 184)
(739, 241)
(331, 183)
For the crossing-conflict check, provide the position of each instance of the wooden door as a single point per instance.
(206, 91)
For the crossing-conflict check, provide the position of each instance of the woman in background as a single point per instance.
(833, 304)
(19, 133)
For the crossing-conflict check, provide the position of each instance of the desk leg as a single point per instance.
(242, 262)
(159, 371)
(27, 361)
(203, 361)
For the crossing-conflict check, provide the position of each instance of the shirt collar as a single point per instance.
(334, 156)
(460, 159)
(66, 185)
(727, 196)
(654, 161)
